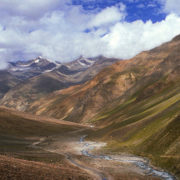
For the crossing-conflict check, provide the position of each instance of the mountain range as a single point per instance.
(132, 105)
(22, 83)
(135, 104)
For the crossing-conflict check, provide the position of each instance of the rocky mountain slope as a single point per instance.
(27, 69)
(141, 77)
(134, 102)
(39, 77)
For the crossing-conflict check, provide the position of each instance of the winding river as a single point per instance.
(139, 162)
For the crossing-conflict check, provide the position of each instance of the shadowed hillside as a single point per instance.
(7, 81)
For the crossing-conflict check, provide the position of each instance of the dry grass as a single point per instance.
(17, 169)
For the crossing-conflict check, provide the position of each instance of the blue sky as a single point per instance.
(63, 30)
(144, 9)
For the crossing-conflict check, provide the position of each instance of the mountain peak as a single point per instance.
(31, 68)
(40, 59)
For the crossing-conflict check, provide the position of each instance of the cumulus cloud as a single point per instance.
(127, 39)
(171, 6)
(63, 32)
(107, 16)
(31, 8)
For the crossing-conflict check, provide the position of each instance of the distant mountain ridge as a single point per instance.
(38, 77)
(39, 65)
(31, 68)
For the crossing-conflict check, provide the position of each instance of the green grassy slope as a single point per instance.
(147, 126)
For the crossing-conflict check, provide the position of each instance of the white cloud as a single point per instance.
(171, 6)
(60, 34)
(127, 39)
(107, 16)
(32, 9)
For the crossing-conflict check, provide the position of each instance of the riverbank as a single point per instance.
(142, 163)
(80, 153)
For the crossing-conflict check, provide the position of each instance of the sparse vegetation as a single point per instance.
(134, 104)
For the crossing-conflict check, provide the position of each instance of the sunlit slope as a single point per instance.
(134, 121)
(148, 126)
(146, 129)
(146, 74)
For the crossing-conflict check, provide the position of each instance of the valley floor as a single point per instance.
(60, 157)
(89, 156)
(33, 148)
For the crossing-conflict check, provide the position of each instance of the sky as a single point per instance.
(63, 30)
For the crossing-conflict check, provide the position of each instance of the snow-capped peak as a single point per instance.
(36, 60)
(39, 64)
(39, 57)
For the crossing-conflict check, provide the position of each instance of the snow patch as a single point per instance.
(86, 60)
(36, 60)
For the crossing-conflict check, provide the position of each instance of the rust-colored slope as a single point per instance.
(114, 84)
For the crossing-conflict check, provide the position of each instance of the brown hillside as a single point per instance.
(149, 72)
